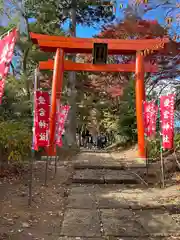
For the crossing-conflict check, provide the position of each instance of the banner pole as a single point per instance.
(161, 148)
(146, 143)
(162, 167)
(31, 162)
(147, 157)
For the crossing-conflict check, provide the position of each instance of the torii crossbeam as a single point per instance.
(88, 67)
(62, 45)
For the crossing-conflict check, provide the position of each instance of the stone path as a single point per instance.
(117, 211)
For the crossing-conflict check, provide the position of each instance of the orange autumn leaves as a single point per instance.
(133, 29)
(147, 51)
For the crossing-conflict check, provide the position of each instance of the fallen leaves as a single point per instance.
(18, 221)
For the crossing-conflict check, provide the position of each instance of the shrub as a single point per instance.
(177, 140)
(15, 142)
(153, 148)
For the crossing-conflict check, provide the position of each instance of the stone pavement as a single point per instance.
(119, 211)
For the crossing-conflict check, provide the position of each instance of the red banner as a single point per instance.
(6, 53)
(150, 116)
(167, 120)
(61, 116)
(42, 104)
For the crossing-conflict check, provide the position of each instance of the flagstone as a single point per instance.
(117, 176)
(89, 176)
(157, 222)
(121, 222)
(83, 201)
(81, 223)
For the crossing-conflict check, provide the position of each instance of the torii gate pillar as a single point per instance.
(140, 97)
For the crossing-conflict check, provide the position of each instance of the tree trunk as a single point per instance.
(72, 92)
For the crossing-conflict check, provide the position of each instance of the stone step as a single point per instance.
(84, 165)
(104, 176)
(121, 164)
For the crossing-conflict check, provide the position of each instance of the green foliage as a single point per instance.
(15, 140)
(15, 104)
(109, 121)
(127, 116)
(15, 122)
(1, 6)
(153, 148)
(177, 140)
(54, 13)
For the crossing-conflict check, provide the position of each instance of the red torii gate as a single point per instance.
(62, 45)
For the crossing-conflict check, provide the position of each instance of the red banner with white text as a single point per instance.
(41, 125)
(167, 120)
(62, 113)
(7, 44)
(150, 116)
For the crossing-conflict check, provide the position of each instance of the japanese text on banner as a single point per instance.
(150, 116)
(167, 120)
(42, 118)
(6, 53)
(61, 118)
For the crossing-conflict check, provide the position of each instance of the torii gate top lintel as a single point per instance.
(85, 45)
(62, 45)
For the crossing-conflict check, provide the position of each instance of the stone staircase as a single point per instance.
(105, 170)
(107, 201)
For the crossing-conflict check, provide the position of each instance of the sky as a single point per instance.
(157, 14)
(86, 32)
(82, 31)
